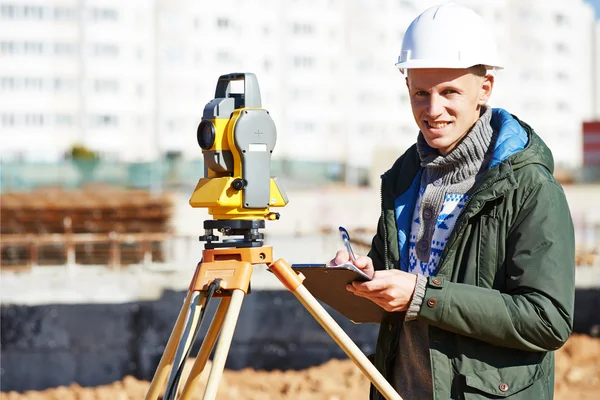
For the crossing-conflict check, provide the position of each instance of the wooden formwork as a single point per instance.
(95, 225)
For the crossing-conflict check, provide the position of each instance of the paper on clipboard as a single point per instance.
(328, 284)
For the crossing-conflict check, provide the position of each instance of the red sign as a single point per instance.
(591, 144)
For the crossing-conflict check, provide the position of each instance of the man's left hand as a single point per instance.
(392, 290)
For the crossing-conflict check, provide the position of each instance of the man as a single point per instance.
(474, 254)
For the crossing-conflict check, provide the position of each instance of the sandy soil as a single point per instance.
(577, 377)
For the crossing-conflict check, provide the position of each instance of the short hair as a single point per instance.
(479, 70)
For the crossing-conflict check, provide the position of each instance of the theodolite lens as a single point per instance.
(206, 135)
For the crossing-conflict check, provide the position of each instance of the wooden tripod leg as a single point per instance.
(293, 282)
(166, 360)
(207, 345)
(220, 357)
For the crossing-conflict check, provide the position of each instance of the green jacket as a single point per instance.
(502, 299)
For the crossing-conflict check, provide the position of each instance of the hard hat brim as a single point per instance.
(445, 64)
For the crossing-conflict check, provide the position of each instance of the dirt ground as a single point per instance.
(577, 377)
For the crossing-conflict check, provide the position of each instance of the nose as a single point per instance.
(435, 107)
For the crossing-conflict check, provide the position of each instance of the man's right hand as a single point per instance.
(363, 263)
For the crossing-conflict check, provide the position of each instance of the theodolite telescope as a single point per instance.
(237, 137)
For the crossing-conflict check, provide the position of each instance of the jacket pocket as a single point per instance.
(511, 382)
(487, 258)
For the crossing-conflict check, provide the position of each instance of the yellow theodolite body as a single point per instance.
(237, 138)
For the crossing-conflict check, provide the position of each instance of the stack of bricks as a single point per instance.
(49, 222)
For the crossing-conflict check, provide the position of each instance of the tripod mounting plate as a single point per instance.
(247, 232)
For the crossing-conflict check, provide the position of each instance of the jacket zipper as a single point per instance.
(385, 243)
(387, 266)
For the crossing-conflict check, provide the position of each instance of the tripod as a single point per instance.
(225, 272)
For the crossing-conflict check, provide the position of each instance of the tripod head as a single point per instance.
(237, 137)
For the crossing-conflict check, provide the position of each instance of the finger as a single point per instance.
(374, 285)
(364, 263)
(375, 298)
(340, 257)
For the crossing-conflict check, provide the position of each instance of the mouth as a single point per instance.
(435, 125)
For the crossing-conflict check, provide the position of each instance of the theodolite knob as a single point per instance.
(239, 184)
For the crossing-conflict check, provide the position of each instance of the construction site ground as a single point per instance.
(305, 233)
(577, 378)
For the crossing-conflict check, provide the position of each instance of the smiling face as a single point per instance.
(446, 103)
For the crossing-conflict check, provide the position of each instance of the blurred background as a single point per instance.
(99, 105)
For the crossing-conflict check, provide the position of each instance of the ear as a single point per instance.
(485, 90)
(407, 85)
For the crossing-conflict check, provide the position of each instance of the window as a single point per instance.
(64, 84)
(532, 105)
(527, 75)
(364, 65)
(7, 11)
(64, 13)
(562, 48)
(407, 130)
(8, 119)
(104, 14)
(223, 23)
(302, 94)
(304, 126)
(366, 129)
(562, 76)
(531, 45)
(33, 12)
(303, 62)
(267, 65)
(33, 48)
(34, 119)
(223, 56)
(303, 29)
(197, 58)
(33, 84)
(7, 83)
(406, 5)
(174, 124)
(498, 15)
(561, 20)
(64, 120)
(105, 50)
(7, 48)
(64, 49)
(106, 86)
(104, 121)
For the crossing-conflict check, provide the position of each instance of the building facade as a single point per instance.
(130, 79)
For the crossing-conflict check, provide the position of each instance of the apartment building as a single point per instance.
(130, 79)
(76, 72)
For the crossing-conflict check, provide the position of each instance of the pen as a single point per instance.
(346, 240)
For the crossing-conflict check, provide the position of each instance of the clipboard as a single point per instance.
(328, 284)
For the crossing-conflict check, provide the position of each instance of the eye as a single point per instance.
(421, 93)
(449, 91)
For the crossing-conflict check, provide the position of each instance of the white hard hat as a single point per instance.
(448, 36)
